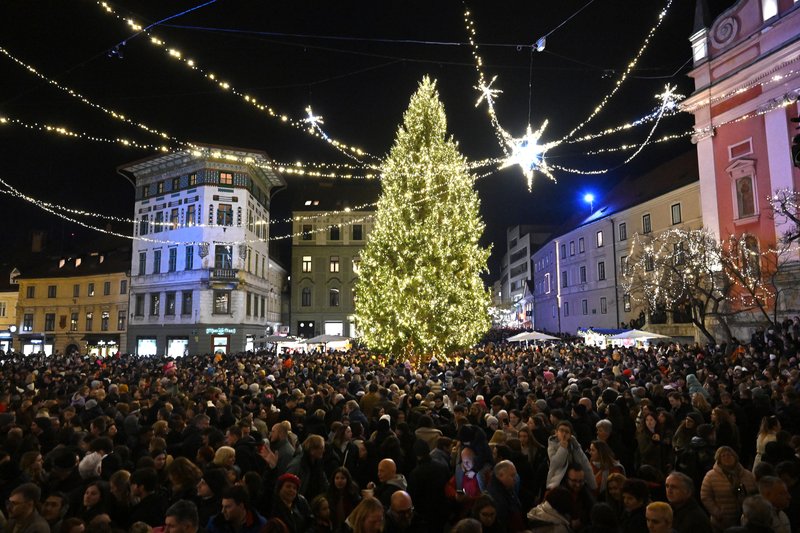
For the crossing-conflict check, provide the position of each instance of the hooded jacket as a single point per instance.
(544, 519)
(561, 458)
(384, 491)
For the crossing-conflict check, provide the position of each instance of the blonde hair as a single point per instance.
(663, 509)
(367, 506)
(223, 455)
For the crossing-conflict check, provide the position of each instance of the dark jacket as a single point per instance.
(298, 519)
(253, 523)
(690, 517)
(635, 522)
(149, 510)
(510, 516)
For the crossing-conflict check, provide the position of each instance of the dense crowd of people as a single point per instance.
(556, 438)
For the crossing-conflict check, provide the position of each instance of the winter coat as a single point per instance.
(722, 497)
(544, 519)
(429, 435)
(690, 517)
(561, 458)
(384, 491)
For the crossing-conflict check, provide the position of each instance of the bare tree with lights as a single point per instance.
(419, 292)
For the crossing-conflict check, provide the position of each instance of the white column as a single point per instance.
(779, 155)
(708, 185)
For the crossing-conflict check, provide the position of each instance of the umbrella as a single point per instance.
(638, 334)
(278, 338)
(531, 336)
(325, 339)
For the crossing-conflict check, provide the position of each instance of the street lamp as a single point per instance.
(589, 199)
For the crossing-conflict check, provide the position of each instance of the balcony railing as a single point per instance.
(224, 274)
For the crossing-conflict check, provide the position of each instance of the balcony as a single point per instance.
(224, 274)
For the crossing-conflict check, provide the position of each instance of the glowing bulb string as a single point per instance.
(86, 101)
(625, 74)
(51, 209)
(628, 125)
(153, 25)
(757, 81)
(626, 147)
(302, 124)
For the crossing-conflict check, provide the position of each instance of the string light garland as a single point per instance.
(763, 80)
(110, 112)
(626, 147)
(300, 124)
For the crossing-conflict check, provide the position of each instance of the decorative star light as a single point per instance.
(529, 154)
(487, 93)
(313, 120)
(669, 98)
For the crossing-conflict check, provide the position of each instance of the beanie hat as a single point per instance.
(287, 478)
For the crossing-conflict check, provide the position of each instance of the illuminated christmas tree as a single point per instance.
(419, 292)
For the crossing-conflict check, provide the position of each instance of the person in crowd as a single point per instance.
(686, 431)
(635, 498)
(150, 504)
(389, 482)
(183, 476)
(367, 517)
(687, 515)
(236, 514)
(343, 496)
(503, 491)
(426, 484)
(603, 464)
(725, 429)
(54, 509)
(613, 493)
(209, 492)
(95, 502)
(308, 466)
(563, 450)
(768, 432)
(402, 516)
(290, 506)
(652, 447)
(724, 489)
(485, 511)
(321, 516)
(581, 497)
(604, 519)
(466, 485)
(774, 490)
(757, 516)
(23, 516)
(181, 517)
(789, 472)
(659, 517)
(552, 515)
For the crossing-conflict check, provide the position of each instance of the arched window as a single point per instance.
(306, 297)
(333, 297)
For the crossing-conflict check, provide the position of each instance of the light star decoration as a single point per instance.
(528, 153)
(314, 121)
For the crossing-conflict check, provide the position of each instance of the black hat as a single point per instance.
(216, 479)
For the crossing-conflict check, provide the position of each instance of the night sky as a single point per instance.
(353, 62)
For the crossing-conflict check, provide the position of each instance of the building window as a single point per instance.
(155, 303)
(89, 321)
(745, 197)
(142, 263)
(145, 191)
(192, 179)
(263, 306)
(123, 286)
(358, 232)
(156, 261)
(563, 251)
(581, 246)
(333, 297)
(566, 308)
(603, 305)
(306, 263)
(144, 225)
(31, 291)
(599, 239)
(191, 215)
(649, 263)
(173, 218)
(186, 303)
(676, 213)
(547, 283)
(73, 322)
(585, 306)
(225, 178)
(564, 280)
(27, 322)
(121, 320)
(222, 302)
(51, 291)
(104, 316)
(173, 260)
(158, 224)
(306, 297)
(334, 233)
(3, 309)
(571, 247)
(223, 256)
(647, 227)
(626, 303)
(224, 215)
(176, 184)
(623, 231)
(160, 187)
(248, 303)
(138, 308)
(76, 290)
(169, 304)
(189, 261)
(334, 267)
(90, 289)
(601, 270)
(307, 232)
(49, 321)
(583, 274)
(106, 288)
(356, 265)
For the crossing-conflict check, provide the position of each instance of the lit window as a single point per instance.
(224, 215)
(599, 238)
(222, 302)
(334, 266)
(581, 247)
(225, 178)
(306, 263)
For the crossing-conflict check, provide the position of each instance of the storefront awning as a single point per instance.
(99, 339)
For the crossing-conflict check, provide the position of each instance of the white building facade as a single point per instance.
(202, 280)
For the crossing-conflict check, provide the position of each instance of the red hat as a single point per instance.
(291, 478)
(627, 372)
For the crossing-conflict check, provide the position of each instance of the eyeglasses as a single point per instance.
(405, 511)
